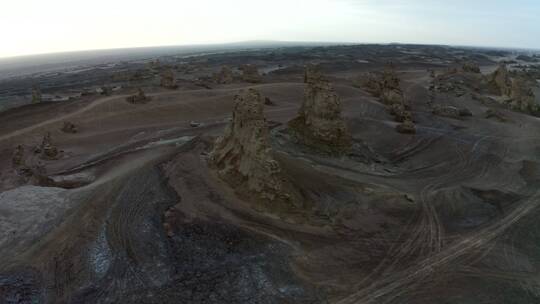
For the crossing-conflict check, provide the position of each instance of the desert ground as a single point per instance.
(336, 174)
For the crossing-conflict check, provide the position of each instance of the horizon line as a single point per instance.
(210, 44)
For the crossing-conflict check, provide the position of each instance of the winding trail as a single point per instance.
(90, 106)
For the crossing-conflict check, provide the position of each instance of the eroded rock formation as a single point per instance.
(319, 123)
(517, 91)
(471, 67)
(459, 82)
(18, 156)
(313, 74)
(464, 112)
(69, 127)
(36, 94)
(203, 82)
(168, 79)
(250, 73)
(224, 76)
(268, 101)
(407, 127)
(140, 97)
(450, 111)
(391, 92)
(500, 80)
(386, 86)
(105, 90)
(522, 96)
(496, 114)
(69, 181)
(400, 113)
(243, 156)
(47, 148)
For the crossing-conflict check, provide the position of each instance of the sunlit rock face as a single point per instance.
(319, 122)
(243, 155)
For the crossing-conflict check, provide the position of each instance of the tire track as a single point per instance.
(394, 284)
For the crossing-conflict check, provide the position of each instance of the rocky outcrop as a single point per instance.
(313, 74)
(47, 148)
(224, 76)
(495, 114)
(517, 92)
(391, 92)
(522, 96)
(250, 73)
(71, 181)
(203, 82)
(500, 81)
(105, 90)
(471, 67)
(407, 127)
(391, 97)
(36, 94)
(18, 156)
(400, 113)
(243, 156)
(450, 111)
(168, 80)
(319, 123)
(268, 101)
(386, 86)
(371, 82)
(69, 127)
(464, 112)
(459, 82)
(140, 97)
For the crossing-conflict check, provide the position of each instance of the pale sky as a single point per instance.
(45, 26)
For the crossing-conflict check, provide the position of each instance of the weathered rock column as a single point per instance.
(319, 122)
(250, 73)
(243, 155)
(168, 80)
(224, 76)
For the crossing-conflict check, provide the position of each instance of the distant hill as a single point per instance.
(25, 65)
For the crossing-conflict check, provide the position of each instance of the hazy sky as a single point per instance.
(44, 26)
